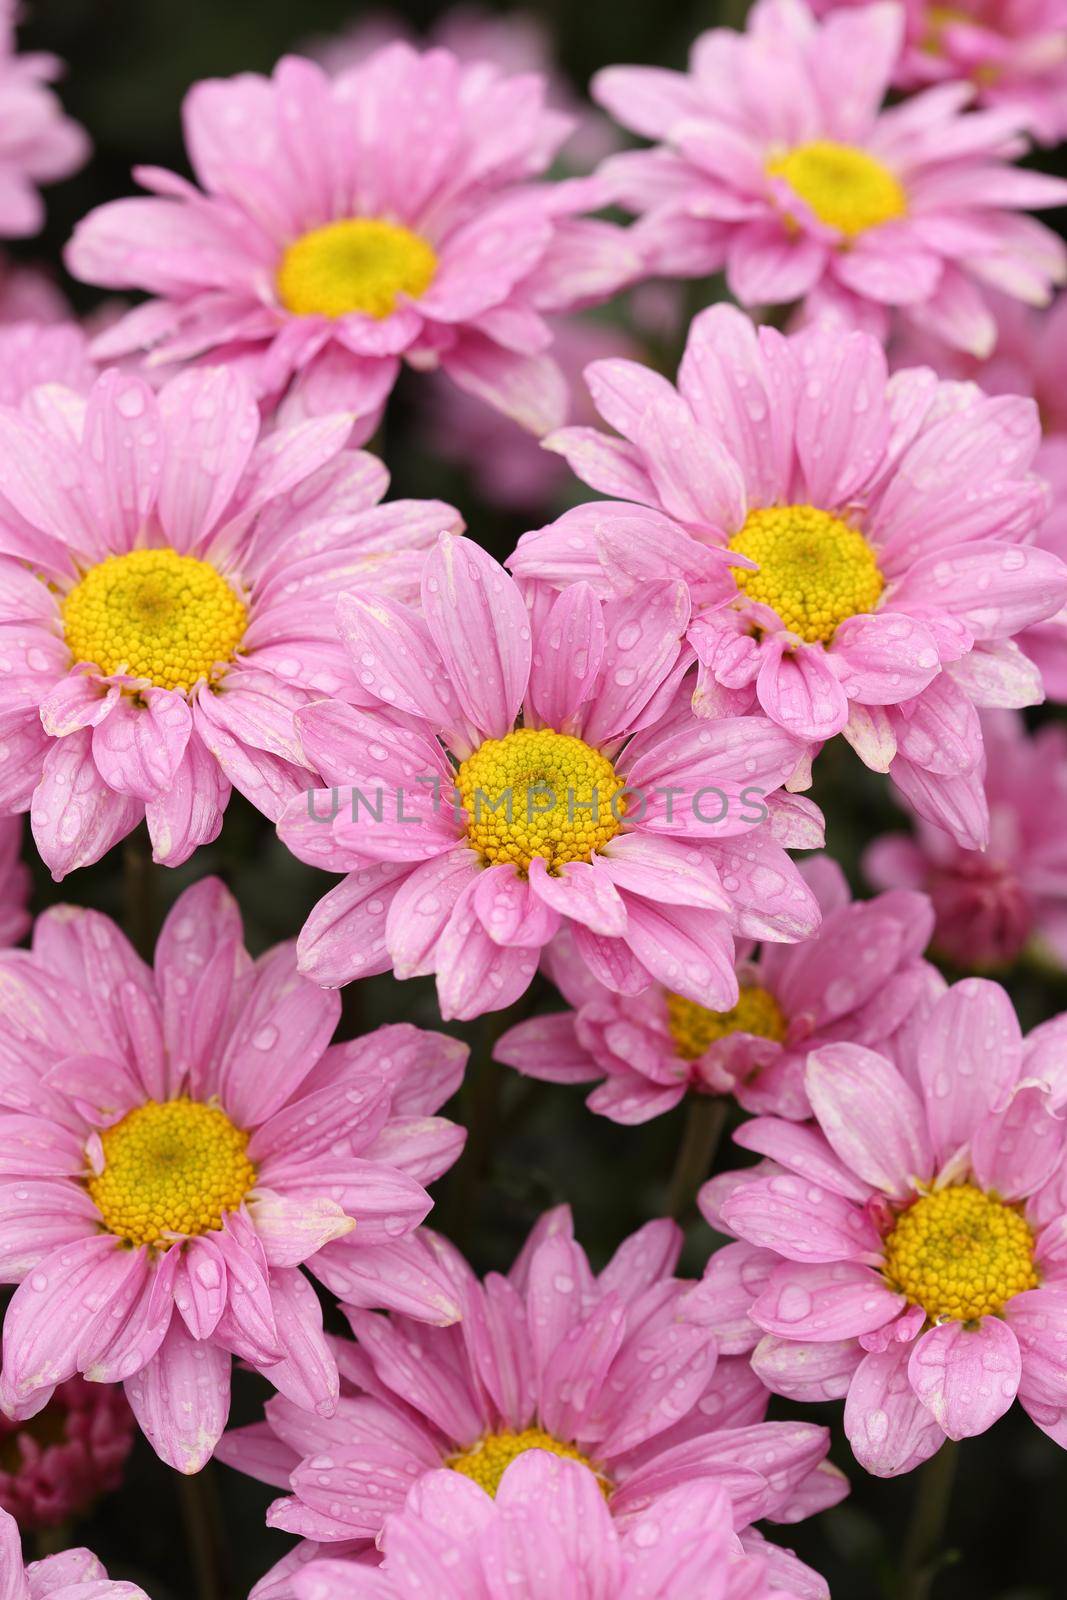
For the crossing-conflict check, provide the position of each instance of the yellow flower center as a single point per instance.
(154, 614)
(171, 1167)
(358, 265)
(846, 188)
(937, 20)
(960, 1254)
(814, 570)
(488, 1460)
(539, 793)
(694, 1028)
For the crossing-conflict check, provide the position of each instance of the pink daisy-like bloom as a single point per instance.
(167, 587)
(38, 143)
(907, 1251)
(469, 840)
(1014, 52)
(885, 526)
(992, 905)
(57, 1464)
(178, 1142)
(778, 165)
(610, 1370)
(1030, 358)
(72, 1575)
(858, 978)
(14, 882)
(349, 223)
(549, 1533)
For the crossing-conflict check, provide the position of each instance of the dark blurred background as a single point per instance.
(532, 1145)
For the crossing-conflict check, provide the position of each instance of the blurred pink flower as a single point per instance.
(38, 143)
(468, 840)
(1013, 51)
(169, 577)
(548, 1532)
(347, 224)
(29, 294)
(907, 1251)
(508, 465)
(178, 1142)
(858, 978)
(610, 1370)
(880, 529)
(778, 164)
(991, 905)
(73, 1575)
(56, 1465)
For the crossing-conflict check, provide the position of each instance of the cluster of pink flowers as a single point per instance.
(587, 763)
(1014, 52)
(778, 164)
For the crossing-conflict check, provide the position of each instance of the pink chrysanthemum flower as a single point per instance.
(857, 978)
(72, 1575)
(608, 1370)
(14, 882)
(548, 1531)
(992, 905)
(178, 1142)
(1014, 52)
(38, 143)
(778, 164)
(57, 1464)
(350, 223)
(469, 840)
(168, 585)
(33, 352)
(885, 526)
(907, 1251)
(1031, 359)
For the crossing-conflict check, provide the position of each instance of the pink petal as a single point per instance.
(181, 1399)
(839, 1300)
(888, 1427)
(966, 1376)
(479, 622)
(75, 817)
(974, 1023)
(871, 1117)
(799, 690)
(800, 1221)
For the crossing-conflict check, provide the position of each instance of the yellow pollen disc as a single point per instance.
(488, 1460)
(845, 187)
(358, 265)
(694, 1028)
(171, 1167)
(154, 614)
(960, 1254)
(539, 793)
(814, 570)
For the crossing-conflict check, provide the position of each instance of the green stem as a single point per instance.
(925, 1538)
(704, 1121)
(200, 1514)
(139, 893)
